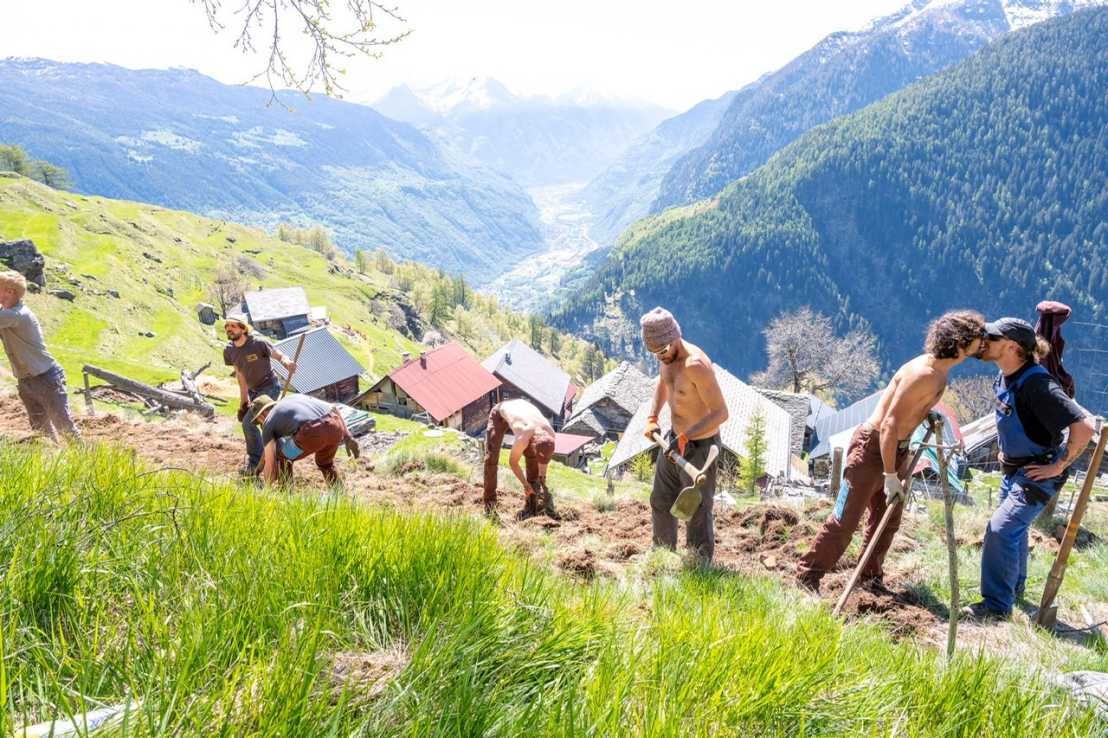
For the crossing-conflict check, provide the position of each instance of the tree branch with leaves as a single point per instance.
(335, 32)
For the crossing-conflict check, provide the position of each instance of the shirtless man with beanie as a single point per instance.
(687, 383)
(878, 450)
(533, 441)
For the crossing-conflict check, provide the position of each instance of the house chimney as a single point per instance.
(406, 356)
(423, 360)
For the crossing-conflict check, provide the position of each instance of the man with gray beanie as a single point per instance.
(687, 384)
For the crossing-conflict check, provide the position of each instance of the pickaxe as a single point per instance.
(688, 502)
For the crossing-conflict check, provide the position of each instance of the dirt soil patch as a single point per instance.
(365, 675)
(764, 540)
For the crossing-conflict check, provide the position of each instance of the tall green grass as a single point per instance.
(221, 609)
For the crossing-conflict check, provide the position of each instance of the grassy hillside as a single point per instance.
(161, 263)
(229, 612)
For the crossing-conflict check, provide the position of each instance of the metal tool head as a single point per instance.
(688, 502)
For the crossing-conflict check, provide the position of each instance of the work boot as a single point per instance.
(492, 515)
(530, 507)
(353, 450)
(982, 613)
(808, 581)
(548, 504)
(876, 585)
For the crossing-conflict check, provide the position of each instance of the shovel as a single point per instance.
(688, 502)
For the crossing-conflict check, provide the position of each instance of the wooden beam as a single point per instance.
(160, 396)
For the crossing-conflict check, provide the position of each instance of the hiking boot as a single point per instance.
(353, 450)
(548, 504)
(248, 471)
(492, 515)
(530, 508)
(982, 613)
(808, 582)
(876, 585)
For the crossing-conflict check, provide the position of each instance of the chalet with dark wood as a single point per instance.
(606, 406)
(324, 369)
(446, 384)
(279, 312)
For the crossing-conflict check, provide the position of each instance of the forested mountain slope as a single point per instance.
(982, 186)
(842, 74)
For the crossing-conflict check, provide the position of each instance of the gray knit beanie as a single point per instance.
(659, 328)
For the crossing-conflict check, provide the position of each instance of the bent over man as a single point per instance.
(249, 355)
(1032, 412)
(41, 381)
(534, 441)
(878, 450)
(687, 383)
(296, 427)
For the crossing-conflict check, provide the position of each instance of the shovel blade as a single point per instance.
(686, 504)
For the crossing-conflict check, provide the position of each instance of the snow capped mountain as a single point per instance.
(535, 139)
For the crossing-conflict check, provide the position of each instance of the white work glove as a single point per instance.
(894, 489)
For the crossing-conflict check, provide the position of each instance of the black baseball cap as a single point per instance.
(1013, 329)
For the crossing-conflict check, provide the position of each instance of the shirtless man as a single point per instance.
(878, 450)
(533, 440)
(697, 409)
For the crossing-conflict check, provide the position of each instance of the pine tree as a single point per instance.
(754, 463)
(361, 261)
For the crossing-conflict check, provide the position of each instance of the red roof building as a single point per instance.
(446, 384)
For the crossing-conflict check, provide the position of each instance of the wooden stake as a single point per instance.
(951, 545)
(1047, 615)
(836, 472)
(88, 395)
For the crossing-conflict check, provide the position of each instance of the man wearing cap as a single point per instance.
(687, 383)
(533, 440)
(1033, 412)
(295, 427)
(40, 380)
(249, 355)
(878, 451)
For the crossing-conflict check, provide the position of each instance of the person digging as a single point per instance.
(878, 451)
(1033, 411)
(533, 440)
(250, 355)
(295, 427)
(687, 384)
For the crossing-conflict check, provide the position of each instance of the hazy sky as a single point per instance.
(671, 53)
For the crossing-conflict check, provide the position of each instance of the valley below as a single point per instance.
(535, 282)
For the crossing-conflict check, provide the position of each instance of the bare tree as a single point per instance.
(333, 36)
(227, 289)
(805, 355)
(971, 397)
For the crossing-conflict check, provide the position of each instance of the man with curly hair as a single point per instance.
(878, 450)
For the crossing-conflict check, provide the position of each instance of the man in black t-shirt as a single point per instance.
(1033, 414)
(250, 356)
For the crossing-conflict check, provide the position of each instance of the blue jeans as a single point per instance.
(1004, 553)
(251, 432)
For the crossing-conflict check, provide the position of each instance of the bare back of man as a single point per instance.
(525, 420)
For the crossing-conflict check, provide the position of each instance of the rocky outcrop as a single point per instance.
(24, 257)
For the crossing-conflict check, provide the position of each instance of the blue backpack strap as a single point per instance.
(1035, 370)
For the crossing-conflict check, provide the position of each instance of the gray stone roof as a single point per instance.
(798, 407)
(742, 402)
(585, 422)
(625, 385)
(282, 302)
(323, 361)
(530, 371)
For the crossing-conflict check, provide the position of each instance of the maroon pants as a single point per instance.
(862, 489)
(538, 451)
(319, 437)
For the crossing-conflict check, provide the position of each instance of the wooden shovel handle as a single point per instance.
(295, 366)
(695, 474)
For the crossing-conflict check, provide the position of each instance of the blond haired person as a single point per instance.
(41, 380)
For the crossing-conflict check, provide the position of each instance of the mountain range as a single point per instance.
(183, 140)
(536, 140)
(980, 186)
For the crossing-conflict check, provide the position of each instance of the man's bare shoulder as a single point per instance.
(920, 374)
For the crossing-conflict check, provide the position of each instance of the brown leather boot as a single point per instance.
(530, 507)
(548, 502)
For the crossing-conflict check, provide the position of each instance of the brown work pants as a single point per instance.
(319, 437)
(539, 451)
(862, 489)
